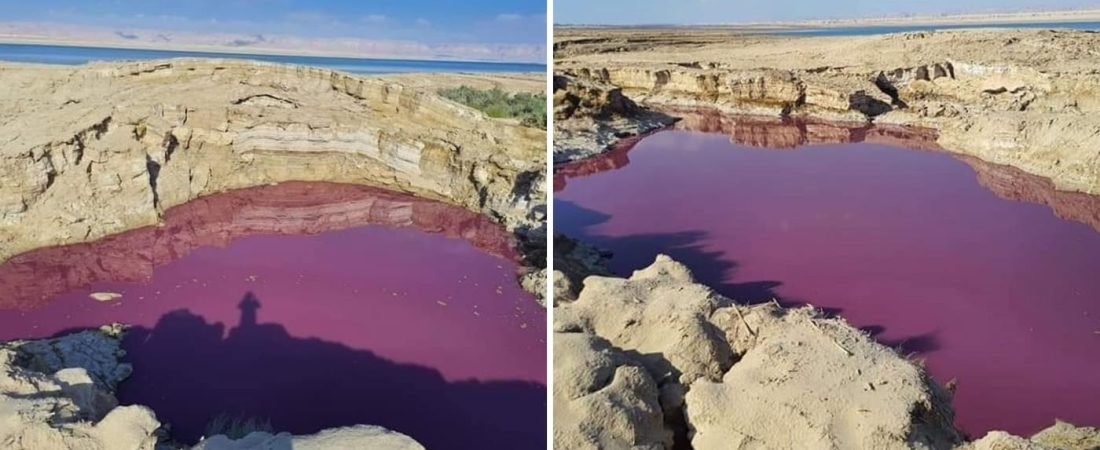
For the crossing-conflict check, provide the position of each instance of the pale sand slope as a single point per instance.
(1025, 98)
(1009, 17)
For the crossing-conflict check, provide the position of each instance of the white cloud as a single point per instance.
(375, 18)
(423, 22)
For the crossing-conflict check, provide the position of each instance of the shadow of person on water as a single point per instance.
(190, 371)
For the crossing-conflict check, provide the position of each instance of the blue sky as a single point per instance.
(619, 12)
(430, 21)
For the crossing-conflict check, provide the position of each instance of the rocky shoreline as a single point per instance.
(126, 142)
(33, 279)
(657, 361)
(59, 393)
(1024, 98)
(590, 117)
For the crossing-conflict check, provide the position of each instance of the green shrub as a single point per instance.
(530, 109)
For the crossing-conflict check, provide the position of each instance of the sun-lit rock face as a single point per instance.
(361, 436)
(736, 376)
(58, 394)
(94, 150)
(590, 116)
(1025, 98)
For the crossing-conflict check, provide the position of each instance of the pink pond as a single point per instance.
(988, 274)
(309, 305)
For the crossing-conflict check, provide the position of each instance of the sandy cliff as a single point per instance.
(94, 150)
(590, 116)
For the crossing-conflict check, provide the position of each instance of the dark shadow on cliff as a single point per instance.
(189, 371)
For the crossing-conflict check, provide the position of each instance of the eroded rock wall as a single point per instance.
(1025, 98)
(94, 150)
(591, 116)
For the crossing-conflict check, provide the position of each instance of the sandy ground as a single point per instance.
(1082, 15)
(531, 83)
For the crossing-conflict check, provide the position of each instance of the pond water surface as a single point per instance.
(309, 305)
(986, 273)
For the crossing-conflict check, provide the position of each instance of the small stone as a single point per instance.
(105, 296)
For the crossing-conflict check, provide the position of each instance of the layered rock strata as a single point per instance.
(1024, 98)
(657, 361)
(94, 150)
(590, 117)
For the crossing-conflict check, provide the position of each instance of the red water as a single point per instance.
(311, 305)
(967, 264)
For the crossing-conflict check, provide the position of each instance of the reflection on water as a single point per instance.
(311, 305)
(187, 368)
(790, 133)
(615, 158)
(908, 245)
(34, 278)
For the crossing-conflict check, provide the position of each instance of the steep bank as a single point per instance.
(658, 361)
(590, 117)
(1024, 98)
(127, 141)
